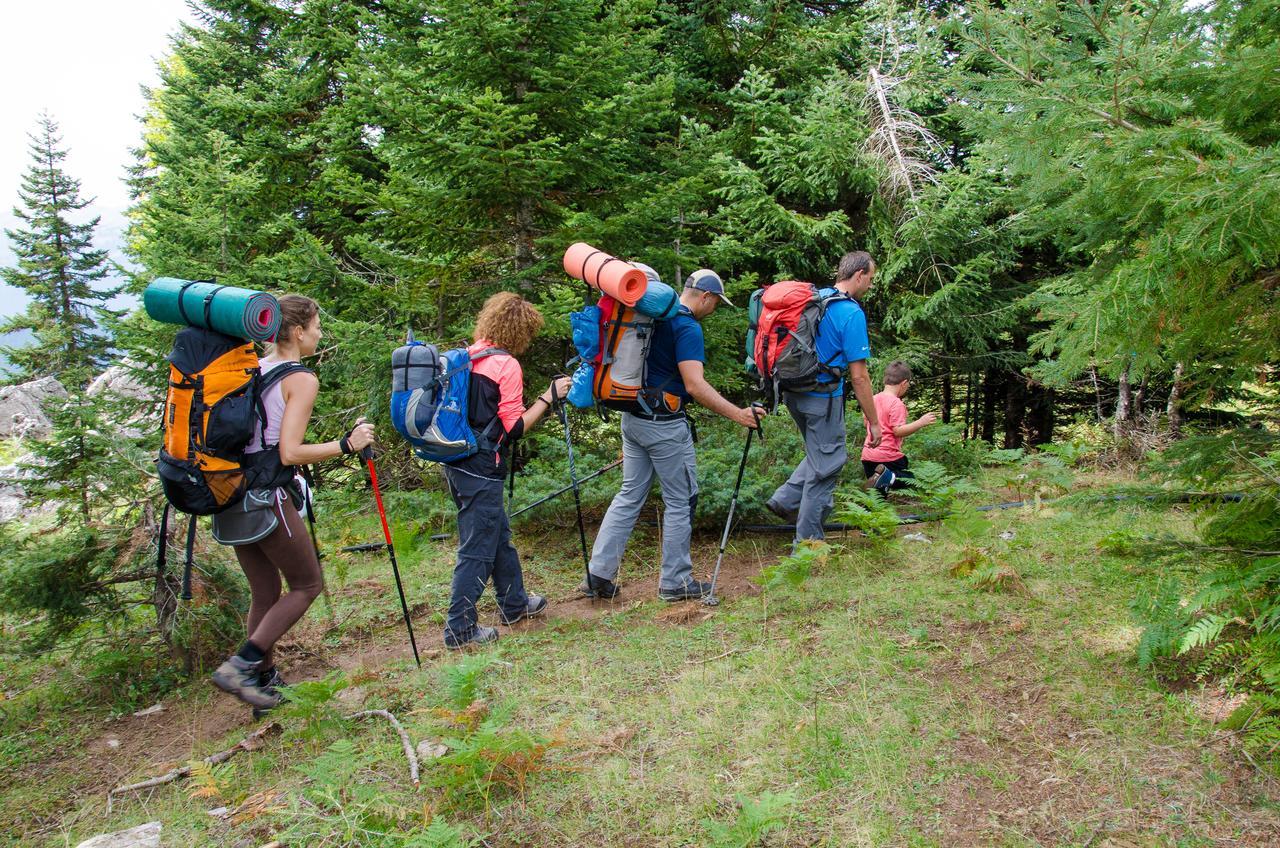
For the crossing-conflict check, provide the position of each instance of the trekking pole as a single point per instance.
(573, 479)
(367, 456)
(309, 480)
(558, 492)
(711, 600)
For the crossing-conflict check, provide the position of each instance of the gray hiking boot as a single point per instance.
(791, 516)
(537, 606)
(690, 591)
(480, 636)
(598, 587)
(237, 676)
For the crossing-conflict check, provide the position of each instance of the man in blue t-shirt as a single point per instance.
(808, 497)
(656, 442)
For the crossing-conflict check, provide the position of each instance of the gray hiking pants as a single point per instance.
(811, 487)
(665, 449)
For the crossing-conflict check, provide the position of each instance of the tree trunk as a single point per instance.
(1139, 399)
(990, 389)
(1174, 408)
(1015, 405)
(946, 396)
(524, 239)
(1097, 393)
(1124, 408)
(968, 407)
(1040, 415)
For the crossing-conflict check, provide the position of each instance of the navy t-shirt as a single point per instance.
(676, 340)
(842, 338)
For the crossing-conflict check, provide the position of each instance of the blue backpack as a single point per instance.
(429, 392)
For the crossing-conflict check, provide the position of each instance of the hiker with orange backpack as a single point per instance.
(657, 441)
(804, 340)
(265, 528)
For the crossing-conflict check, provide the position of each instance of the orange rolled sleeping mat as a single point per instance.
(620, 280)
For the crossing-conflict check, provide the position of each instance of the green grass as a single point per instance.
(882, 702)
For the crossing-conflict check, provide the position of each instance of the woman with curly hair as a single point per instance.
(506, 325)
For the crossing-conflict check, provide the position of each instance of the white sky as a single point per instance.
(102, 52)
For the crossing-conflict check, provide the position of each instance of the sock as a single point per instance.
(250, 652)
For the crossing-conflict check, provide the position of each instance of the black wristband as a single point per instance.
(345, 446)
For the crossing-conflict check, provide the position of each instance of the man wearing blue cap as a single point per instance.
(808, 496)
(656, 441)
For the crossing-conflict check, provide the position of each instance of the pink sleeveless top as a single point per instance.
(273, 402)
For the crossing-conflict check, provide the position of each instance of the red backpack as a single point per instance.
(786, 351)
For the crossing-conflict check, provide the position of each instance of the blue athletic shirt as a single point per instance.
(842, 339)
(678, 339)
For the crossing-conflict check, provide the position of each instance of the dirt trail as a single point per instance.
(137, 747)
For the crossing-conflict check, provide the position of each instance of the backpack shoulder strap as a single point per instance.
(489, 351)
(265, 382)
(275, 375)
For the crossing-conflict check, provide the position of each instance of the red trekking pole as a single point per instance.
(367, 456)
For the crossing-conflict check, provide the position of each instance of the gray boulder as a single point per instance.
(143, 836)
(22, 408)
(117, 380)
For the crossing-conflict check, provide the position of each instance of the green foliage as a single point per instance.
(493, 756)
(62, 576)
(938, 490)
(792, 570)
(57, 267)
(462, 680)
(756, 818)
(868, 513)
(1161, 615)
(311, 704)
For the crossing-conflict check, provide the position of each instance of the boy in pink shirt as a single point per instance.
(885, 464)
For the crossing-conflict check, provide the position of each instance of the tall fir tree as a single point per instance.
(58, 268)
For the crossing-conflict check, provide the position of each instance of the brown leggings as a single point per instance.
(286, 551)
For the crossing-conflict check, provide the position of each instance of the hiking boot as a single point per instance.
(791, 516)
(237, 676)
(271, 679)
(690, 591)
(480, 636)
(537, 606)
(598, 587)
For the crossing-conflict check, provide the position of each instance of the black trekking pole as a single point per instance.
(367, 456)
(558, 492)
(711, 600)
(558, 403)
(309, 482)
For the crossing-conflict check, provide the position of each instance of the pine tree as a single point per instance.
(58, 267)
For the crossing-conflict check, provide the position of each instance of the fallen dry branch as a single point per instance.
(249, 743)
(405, 741)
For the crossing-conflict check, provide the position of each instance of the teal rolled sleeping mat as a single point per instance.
(232, 311)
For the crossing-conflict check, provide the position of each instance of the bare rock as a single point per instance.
(118, 380)
(143, 836)
(22, 407)
(431, 750)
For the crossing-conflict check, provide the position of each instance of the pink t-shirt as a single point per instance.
(892, 413)
(505, 372)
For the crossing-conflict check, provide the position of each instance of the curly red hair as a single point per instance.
(509, 321)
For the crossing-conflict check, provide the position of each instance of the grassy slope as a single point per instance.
(892, 703)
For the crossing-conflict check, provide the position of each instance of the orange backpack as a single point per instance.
(210, 413)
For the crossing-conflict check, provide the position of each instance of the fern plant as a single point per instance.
(793, 570)
(308, 708)
(462, 680)
(937, 489)
(756, 818)
(869, 514)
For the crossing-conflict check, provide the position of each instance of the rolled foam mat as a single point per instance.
(660, 301)
(611, 275)
(243, 313)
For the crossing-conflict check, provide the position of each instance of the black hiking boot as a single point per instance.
(537, 606)
(480, 636)
(271, 680)
(237, 676)
(691, 591)
(791, 516)
(598, 587)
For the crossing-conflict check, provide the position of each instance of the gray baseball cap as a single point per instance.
(704, 279)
